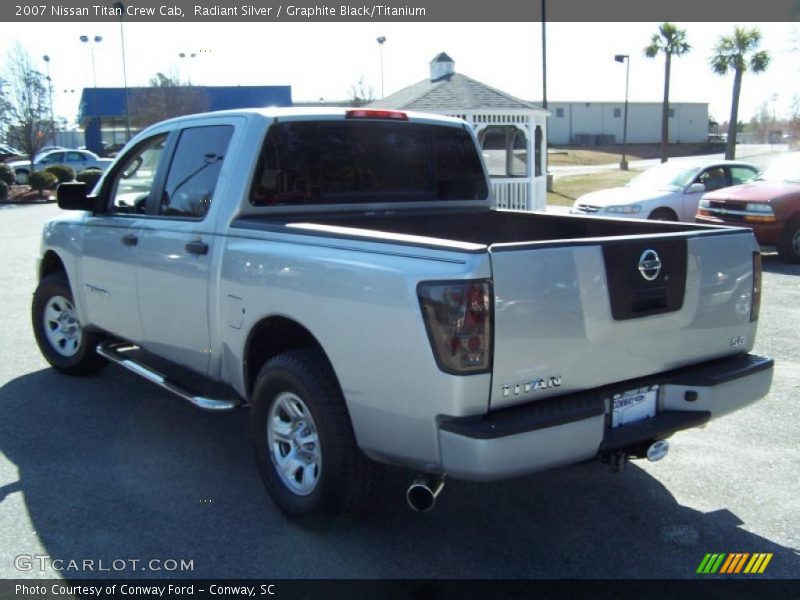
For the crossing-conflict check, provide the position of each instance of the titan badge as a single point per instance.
(532, 385)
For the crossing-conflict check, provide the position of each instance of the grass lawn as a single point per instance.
(567, 189)
(604, 155)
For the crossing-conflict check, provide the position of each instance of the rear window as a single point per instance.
(345, 162)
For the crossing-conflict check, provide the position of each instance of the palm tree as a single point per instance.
(672, 42)
(738, 52)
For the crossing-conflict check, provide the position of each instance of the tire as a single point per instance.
(21, 176)
(663, 214)
(295, 397)
(789, 244)
(61, 339)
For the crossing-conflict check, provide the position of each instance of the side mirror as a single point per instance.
(72, 196)
(696, 188)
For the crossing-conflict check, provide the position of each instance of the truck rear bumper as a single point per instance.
(576, 427)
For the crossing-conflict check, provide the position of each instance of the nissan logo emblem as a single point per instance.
(649, 265)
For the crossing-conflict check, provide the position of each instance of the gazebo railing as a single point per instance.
(513, 194)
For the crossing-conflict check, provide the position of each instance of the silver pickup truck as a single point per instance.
(342, 273)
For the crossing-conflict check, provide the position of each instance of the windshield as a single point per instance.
(336, 162)
(786, 168)
(664, 177)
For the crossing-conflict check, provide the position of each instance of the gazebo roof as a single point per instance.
(453, 92)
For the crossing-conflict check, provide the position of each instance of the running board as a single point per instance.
(115, 352)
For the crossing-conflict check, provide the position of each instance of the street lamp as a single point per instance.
(46, 60)
(381, 40)
(121, 11)
(188, 56)
(96, 39)
(624, 58)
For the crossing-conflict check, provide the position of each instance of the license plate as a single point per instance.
(633, 405)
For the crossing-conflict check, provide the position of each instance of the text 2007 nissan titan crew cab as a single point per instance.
(342, 272)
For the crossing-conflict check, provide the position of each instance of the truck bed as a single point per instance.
(477, 227)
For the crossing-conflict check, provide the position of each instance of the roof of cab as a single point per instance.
(310, 112)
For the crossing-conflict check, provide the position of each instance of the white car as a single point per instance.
(80, 160)
(668, 192)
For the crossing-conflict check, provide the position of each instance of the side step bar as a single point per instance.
(115, 352)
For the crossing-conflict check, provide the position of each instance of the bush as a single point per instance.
(90, 177)
(7, 175)
(3, 190)
(42, 180)
(62, 173)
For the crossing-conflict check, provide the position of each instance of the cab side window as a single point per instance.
(134, 181)
(194, 171)
(713, 179)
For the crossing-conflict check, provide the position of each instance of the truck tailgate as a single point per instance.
(576, 315)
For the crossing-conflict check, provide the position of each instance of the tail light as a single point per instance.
(755, 306)
(458, 317)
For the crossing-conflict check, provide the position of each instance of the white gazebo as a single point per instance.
(512, 132)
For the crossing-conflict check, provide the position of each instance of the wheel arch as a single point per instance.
(664, 210)
(52, 263)
(271, 336)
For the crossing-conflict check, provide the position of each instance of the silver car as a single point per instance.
(668, 192)
(80, 160)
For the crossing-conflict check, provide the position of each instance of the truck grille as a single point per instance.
(730, 211)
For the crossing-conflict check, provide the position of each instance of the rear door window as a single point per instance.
(194, 171)
(742, 175)
(345, 162)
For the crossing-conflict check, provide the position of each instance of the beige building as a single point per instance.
(599, 123)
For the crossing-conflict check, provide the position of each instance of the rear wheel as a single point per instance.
(663, 214)
(63, 341)
(789, 244)
(305, 447)
(21, 176)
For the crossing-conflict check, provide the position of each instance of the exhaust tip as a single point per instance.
(421, 494)
(657, 450)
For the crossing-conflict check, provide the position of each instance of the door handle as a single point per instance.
(130, 239)
(197, 247)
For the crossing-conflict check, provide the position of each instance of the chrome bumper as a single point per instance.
(576, 427)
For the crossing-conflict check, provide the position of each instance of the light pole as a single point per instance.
(381, 40)
(46, 60)
(623, 164)
(121, 9)
(96, 39)
(188, 55)
(548, 177)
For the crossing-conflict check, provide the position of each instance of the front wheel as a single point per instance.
(305, 447)
(22, 176)
(789, 244)
(63, 341)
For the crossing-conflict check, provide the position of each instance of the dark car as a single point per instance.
(770, 206)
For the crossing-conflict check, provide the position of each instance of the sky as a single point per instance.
(323, 60)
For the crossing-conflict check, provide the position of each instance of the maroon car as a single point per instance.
(770, 206)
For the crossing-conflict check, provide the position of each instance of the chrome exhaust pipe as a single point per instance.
(657, 450)
(423, 491)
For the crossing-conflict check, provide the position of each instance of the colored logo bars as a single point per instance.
(737, 562)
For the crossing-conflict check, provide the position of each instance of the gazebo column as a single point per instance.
(510, 135)
(529, 159)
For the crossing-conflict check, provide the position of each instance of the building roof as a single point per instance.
(452, 92)
(442, 57)
(110, 102)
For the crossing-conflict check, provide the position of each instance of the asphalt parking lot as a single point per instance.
(109, 467)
